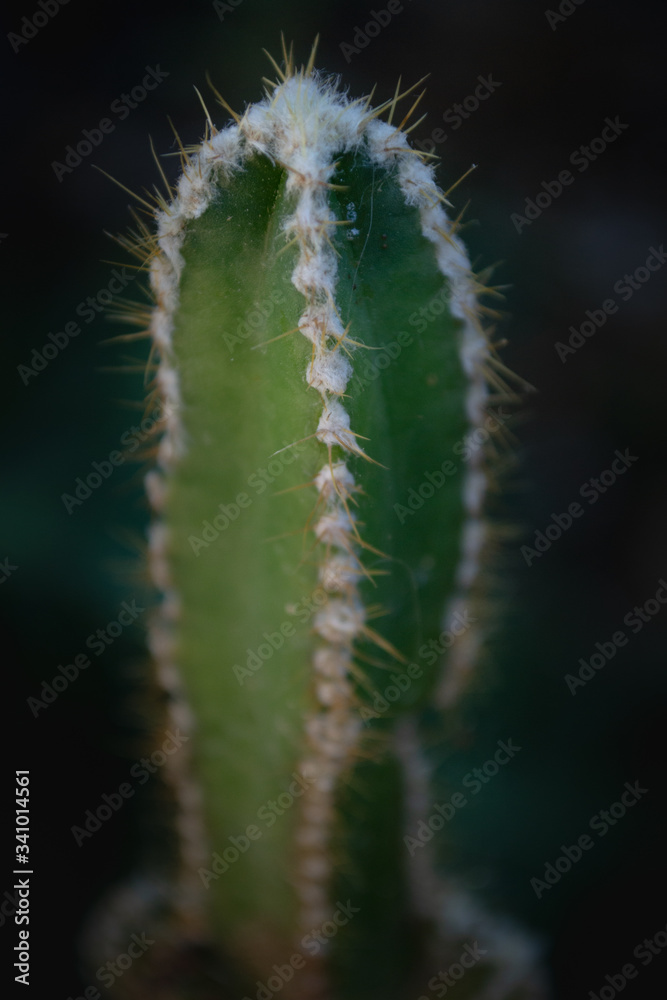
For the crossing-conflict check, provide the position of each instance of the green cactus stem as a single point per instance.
(321, 359)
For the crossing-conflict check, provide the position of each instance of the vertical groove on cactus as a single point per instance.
(312, 214)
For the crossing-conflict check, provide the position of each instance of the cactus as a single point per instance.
(318, 540)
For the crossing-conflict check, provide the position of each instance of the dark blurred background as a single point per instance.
(556, 79)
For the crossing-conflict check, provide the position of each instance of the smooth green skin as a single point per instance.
(239, 407)
(412, 412)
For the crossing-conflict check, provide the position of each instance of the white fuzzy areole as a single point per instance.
(305, 124)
